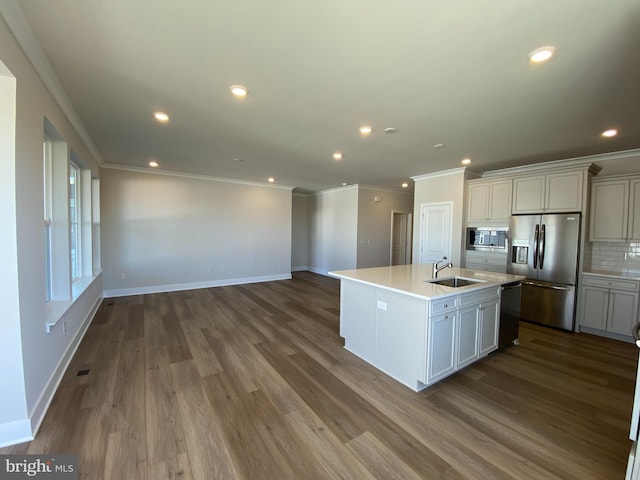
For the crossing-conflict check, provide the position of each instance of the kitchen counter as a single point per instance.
(414, 279)
(608, 273)
(415, 331)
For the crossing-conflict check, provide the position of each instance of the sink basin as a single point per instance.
(454, 281)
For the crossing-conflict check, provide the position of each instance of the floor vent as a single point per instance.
(82, 372)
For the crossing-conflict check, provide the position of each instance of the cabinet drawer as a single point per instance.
(607, 282)
(443, 305)
(483, 267)
(478, 297)
(487, 259)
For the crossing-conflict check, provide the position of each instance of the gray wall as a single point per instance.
(163, 232)
(32, 360)
(374, 223)
(300, 232)
(333, 230)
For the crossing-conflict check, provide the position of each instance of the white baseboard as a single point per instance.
(125, 292)
(299, 269)
(12, 433)
(319, 271)
(42, 404)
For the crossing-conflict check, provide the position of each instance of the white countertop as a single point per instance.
(413, 279)
(633, 275)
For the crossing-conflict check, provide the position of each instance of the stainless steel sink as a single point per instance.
(454, 281)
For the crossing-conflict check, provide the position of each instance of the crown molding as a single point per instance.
(19, 26)
(195, 176)
(442, 173)
(589, 161)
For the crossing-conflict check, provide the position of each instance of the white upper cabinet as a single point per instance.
(488, 201)
(554, 192)
(615, 209)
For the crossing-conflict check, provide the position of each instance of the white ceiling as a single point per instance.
(451, 72)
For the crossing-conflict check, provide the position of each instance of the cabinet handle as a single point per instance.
(446, 306)
(446, 316)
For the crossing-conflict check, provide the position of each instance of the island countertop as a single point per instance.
(414, 279)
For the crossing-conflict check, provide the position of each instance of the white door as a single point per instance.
(435, 232)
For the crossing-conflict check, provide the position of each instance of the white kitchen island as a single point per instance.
(416, 331)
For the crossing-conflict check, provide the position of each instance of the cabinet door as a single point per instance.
(593, 307)
(634, 211)
(488, 327)
(441, 349)
(477, 202)
(467, 337)
(623, 311)
(528, 194)
(563, 192)
(609, 211)
(499, 200)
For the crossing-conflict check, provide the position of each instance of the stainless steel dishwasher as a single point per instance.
(509, 315)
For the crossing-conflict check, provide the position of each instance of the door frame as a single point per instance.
(409, 240)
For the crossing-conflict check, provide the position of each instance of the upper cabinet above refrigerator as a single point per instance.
(554, 192)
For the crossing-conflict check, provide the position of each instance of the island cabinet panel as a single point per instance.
(358, 305)
(488, 319)
(441, 349)
(400, 335)
(467, 344)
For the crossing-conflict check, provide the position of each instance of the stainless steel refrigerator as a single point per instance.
(544, 248)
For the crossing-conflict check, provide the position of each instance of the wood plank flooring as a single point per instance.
(251, 382)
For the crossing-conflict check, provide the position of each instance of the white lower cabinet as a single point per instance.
(441, 348)
(609, 305)
(417, 341)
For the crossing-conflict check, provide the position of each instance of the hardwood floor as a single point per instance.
(252, 382)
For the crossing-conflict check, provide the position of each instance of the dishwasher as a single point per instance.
(509, 315)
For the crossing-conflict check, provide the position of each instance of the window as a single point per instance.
(48, 214)
(74, 221)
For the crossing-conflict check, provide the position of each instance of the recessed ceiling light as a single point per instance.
(161, 117)
(271, 179)
(239, 90)
(612, 132)
(390, 130)
(541, 54)
(344, 184)
(405, 185)
(236, 159)
(466, 161)
(153, 163)
(439, 145)
(337, 156)
(365, 129)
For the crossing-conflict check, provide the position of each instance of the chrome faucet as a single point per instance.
(436, 269)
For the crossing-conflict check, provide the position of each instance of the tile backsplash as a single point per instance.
(623, 257)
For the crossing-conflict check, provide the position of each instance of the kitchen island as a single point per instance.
(417, 331)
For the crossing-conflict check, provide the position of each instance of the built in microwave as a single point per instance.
(479, 238)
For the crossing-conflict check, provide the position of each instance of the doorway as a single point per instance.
(400, 253)
(435, 232)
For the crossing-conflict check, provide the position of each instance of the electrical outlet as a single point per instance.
(123, 276)
(64, 327)
(382, 305)
(221, 269)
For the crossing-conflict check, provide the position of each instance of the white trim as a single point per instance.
(44, 401)
(386, 189)
(197, 176)
(175, 287)
(337, 189)
(442, 173)
(14, 18)
(319, 271)
(299, 269)
(565, 163)
(13, 433)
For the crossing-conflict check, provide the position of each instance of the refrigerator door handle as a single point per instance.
(543, 285)
(542, 244)
(536, 238)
